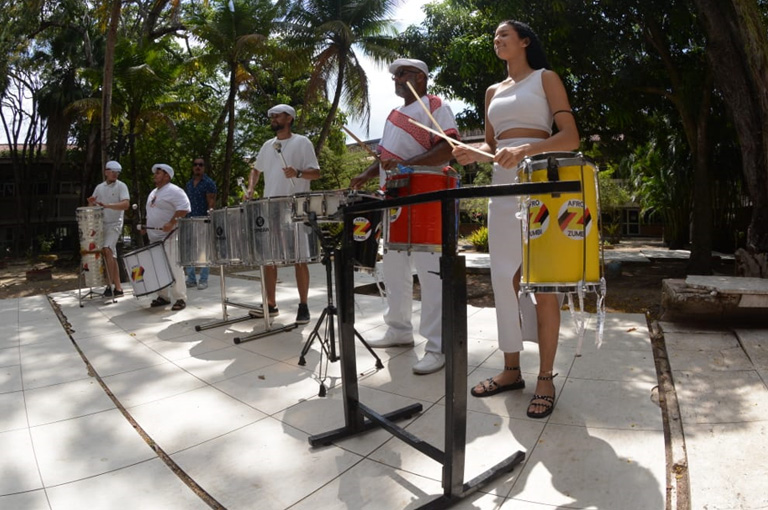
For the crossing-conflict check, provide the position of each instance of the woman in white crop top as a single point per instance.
(519, 113)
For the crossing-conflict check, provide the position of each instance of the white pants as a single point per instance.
(505, 248)
(398, 279)
(178, 288)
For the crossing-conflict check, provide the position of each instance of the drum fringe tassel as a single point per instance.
(580, 318)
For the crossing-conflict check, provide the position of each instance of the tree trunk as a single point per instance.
(230, 145)
(106, 91)
(334, 108)
(700, 261)
(738, 52)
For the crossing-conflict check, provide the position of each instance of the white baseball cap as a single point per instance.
(113, 165)
(165, 168)
(408, 62)
(282, 108)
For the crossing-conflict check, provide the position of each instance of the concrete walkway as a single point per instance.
(164, 417)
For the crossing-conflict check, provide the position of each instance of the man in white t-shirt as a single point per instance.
(165, 205)
(406, 144)
(113, 196)
(288, 163)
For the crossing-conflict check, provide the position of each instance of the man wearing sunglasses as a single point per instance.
(201, 191)
(403, 143)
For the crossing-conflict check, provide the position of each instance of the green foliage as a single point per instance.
(479, 239)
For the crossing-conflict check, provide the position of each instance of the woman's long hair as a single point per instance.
(534, 52)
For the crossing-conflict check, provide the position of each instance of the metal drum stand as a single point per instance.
(328, 316)
(358, 417)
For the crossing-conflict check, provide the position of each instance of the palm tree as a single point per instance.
(232, 32)
(332, 30)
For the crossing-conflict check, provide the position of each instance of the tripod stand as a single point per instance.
(328, 316)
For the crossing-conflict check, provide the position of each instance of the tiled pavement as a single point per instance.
(234, 419)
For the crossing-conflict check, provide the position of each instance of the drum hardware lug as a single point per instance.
(553, 174)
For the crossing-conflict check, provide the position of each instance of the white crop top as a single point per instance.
(522, 105)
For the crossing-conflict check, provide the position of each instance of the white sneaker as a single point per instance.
(202, 285)
(431, 362)
(392, 339)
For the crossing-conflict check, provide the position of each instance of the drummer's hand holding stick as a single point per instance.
(279, 148)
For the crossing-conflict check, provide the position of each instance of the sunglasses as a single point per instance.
(402, 72)
(198, 164)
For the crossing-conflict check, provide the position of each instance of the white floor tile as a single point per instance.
(9, 356)
(10, 379)
(33, 500)
(721, 397)
(67, 400)
(181, 421)
(150, 485)
(14, 412)
(608, 404)
(272, 388)
(578, 467)
(17, 463)
(151, 384)
(221, 364)
(373, 486)
(87, 446)
(267, 463)
(723, 468)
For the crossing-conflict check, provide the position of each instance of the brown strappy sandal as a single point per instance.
(491, 387)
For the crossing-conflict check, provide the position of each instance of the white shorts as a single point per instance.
(111, 235)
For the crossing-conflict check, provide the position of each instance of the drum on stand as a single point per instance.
(325, 204)
(228, 237)
(561, 233)
(195, 244)
(417, 227)
(273, 236)
(92, 268)
(367, 227)
(149, 269)
(90, 228)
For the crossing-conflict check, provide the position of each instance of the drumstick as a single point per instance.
(426, 110)
(144, 227)
(460, 144)
(361, 143)
(279, 148)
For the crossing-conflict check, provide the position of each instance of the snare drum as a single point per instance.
(366, 232)
(92, 267)
(560, 236)
(274, 238)
(148, 269)
(90, 227)
(230, 243)
(417, 227)
(325, 205)
(194, 240)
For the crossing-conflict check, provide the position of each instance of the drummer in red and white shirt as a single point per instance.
(165, 205)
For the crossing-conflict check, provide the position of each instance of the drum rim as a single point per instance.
(539, 161)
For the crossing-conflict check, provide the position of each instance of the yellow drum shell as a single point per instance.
(561, 233)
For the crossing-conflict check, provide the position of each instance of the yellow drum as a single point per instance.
(561, 232)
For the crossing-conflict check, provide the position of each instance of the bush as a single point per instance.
(479, 239)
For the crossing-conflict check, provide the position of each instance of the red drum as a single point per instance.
(417, 227)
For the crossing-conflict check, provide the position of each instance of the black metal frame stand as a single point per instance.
(328, 316)
(360, 418)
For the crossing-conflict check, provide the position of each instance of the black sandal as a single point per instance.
(548, 404)
(491, 387)
(161, 301)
